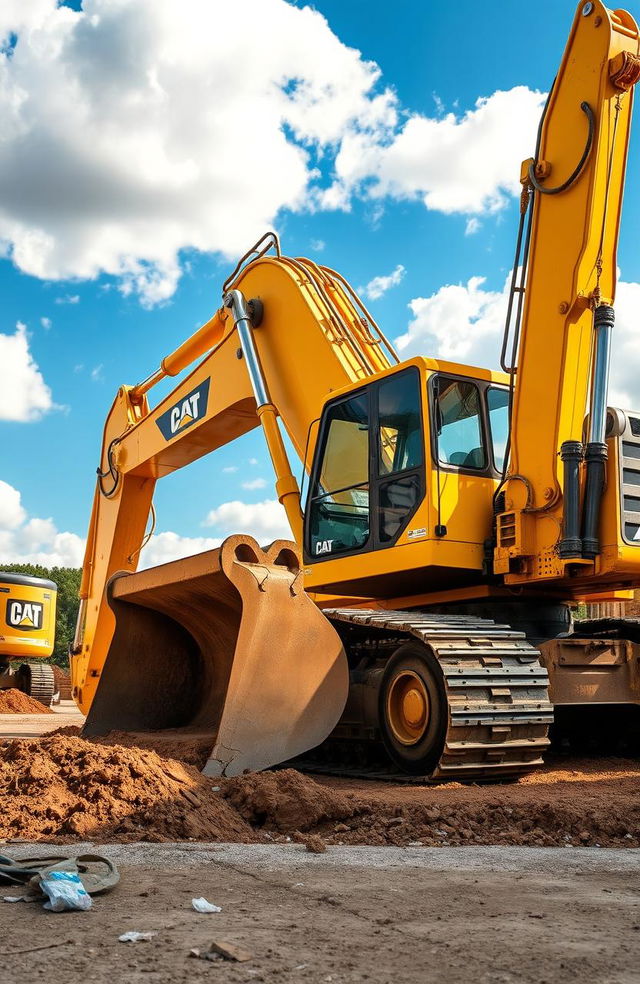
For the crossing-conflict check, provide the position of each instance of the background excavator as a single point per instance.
(27, 632)
(452, 514)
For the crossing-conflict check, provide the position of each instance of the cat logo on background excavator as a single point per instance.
(24, 615)
(185, 412)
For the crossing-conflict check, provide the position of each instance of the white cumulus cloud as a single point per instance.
(624, 380)
(380, 285)
(25, 540)
(265, 520)
(136, 128)
(28, 539)
(254, 483)
(167, 546)
(465, 322)
(468, 163)
(459, 321)
(24, 395)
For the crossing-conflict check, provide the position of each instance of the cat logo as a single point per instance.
(24, 615)
(183, 414)
(324, 546)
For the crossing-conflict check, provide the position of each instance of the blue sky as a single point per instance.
(95, 320)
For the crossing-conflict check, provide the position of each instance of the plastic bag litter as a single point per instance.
(133, 936)
(65, 892)
(201, 905)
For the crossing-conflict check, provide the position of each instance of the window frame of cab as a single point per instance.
(490, 469)
(375, 480)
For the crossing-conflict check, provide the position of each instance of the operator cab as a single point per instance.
(396, 458)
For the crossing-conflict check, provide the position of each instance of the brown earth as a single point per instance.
(68, 788)
(15, 702)
(346, 916)
(64, 787)
(192, 750)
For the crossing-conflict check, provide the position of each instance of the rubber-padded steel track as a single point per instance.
(41, 682)
(496, 689)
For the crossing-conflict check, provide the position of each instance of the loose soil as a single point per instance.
(67, 788)
(15, 702)
(63, 787)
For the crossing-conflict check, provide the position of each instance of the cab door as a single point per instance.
(368, 478)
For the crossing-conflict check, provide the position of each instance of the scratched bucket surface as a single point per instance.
(225, 643)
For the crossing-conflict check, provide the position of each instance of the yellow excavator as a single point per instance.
(27, 632)
(452, 515)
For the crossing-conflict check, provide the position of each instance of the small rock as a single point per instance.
(315, 844)
(229, 951)
(341, 828)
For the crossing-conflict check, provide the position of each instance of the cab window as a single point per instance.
(369, 477)
(339, 505)
(400, 425)
(400, 449)
(458, 424)
(498, 407)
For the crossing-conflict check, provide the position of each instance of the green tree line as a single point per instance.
(68, 581)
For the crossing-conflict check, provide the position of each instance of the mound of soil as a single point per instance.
(67, 788)
(189, 750)
(15, 702)
(286, 801)
(64, 787)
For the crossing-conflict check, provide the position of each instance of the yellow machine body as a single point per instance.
(27, 617)
(415, 539)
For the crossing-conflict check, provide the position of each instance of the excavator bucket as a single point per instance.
(225, 644)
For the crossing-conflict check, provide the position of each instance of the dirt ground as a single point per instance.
(429, 904)
(350, 915)
(130, 794)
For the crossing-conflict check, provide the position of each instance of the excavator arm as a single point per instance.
(549, 511)
(278, 316)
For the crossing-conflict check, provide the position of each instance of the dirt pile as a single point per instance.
(15, 702)
(189, 750)
(287, 801)
(568, 802)
(533, 824)
(64, 787)
(68, 788)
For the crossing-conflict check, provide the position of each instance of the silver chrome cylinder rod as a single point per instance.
(239, 308)
(596, 448)
(244, 316)
(603, 320)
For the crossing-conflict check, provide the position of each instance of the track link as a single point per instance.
(40, 681)
(496, 689)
